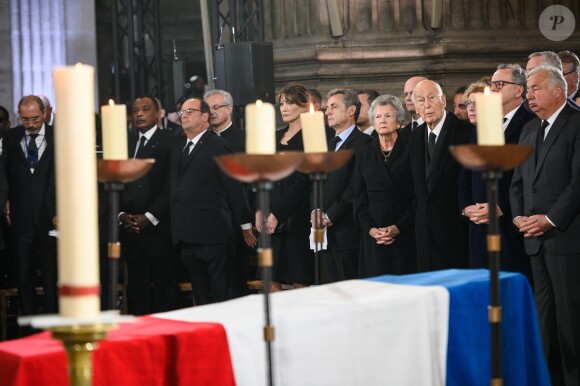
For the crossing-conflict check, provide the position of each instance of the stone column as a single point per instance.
(6, 84)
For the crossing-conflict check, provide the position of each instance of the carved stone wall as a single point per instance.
(387, 41)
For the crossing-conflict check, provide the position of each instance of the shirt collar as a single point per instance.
(221, 131)
(197, 137)
(149, 133)
(508, 117)
(439, 126)
(344, 135)
(419, 121)
(553, 117)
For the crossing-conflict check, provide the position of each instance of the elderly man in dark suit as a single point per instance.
(202, 201)
(146, 234)
(342, 256)
(510, 81)
(545, 200)
(441, 232)
(28, 152)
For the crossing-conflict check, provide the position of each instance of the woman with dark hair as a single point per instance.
(289, 221)
(383, 195)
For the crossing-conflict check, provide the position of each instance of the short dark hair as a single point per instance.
(460, 90)
(6, 114)
(370, 93)
(315, 94)
(349, 97)
(156, 106)
(31, 98)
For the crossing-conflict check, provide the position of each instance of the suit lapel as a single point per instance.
(48, 149)
(196, 149)
(555, 130)
(347, 144)
(445, 137)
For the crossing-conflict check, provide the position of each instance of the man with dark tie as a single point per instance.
(510, 81)
(343, 234)
(145, 227)
(416, 119)
(545, 201)
(441, 232)
(28, 152)
(205, 206)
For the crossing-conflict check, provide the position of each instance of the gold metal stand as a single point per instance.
(261, 170)
(114, 173)
(318, 165)
(492, 161)
(79, 343)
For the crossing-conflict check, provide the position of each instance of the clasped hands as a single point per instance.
(271, 222)
(134, 223)
(319, 220)
(533, 226)
(479, 213)
(385, 235)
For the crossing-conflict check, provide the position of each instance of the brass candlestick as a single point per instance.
(492, 161)
(317, 166)
(261, 170)
(114, 173)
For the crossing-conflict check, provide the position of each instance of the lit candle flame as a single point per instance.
(311, 108)
(111, 103)
(259, 103)
(78, 66)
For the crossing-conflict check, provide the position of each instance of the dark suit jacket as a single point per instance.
(472, 189)
(236, 137)
(441, 232)
(338, 197)
(549, 183)
(32, 195)
(3, 196)
(202, 198)
(149, 193)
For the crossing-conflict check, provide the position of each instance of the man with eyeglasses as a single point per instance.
(29, 160)
(416, 119)
(441, 232)
(221, 107)
(145, 226)
(510, 81)
(459, 107)
(571, 72)
(205, 205)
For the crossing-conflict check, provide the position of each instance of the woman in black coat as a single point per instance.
(383, 195)
(289, 221)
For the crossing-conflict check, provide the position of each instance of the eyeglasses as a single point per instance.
(460, 106)
(570, 72)
(217, 107)
(188, 112)
(407, 94)
(31, 119)
(498, 84)
(469, 103)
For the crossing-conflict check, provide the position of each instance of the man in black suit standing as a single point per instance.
(510, 81)
(343, 234)
(221, 107)
(545, 200)
(441, 232)
(205, 206)
(146, 234)
(28, 152)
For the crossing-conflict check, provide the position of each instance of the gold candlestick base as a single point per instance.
(79, 342)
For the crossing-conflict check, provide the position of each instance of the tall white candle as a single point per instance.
(114, 124)
(313, 131)
(260, 128)
(489, 118)
(76, 191)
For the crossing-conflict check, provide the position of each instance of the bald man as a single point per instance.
(441, 232)
(416, 119)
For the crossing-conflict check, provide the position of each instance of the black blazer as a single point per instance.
(149, 193)
(236, 137)
(440, 229)
(204, 203)
(338, 197)
(549, 183)
(32, 195)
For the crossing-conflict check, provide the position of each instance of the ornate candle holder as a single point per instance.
(492, 161)
(262, 170)
(114, 173)
(317, 166)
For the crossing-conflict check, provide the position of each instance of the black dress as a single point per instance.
(290, 203)
(383, 196)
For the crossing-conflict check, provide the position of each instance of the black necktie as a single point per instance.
(32, 150)
(139, 152)
(431, 145)
(414, 125)
(333, 142)
(541, 134)
(185, 154)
